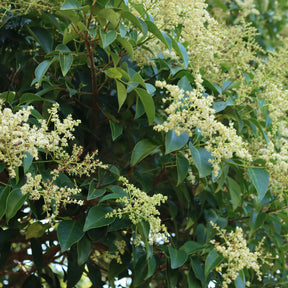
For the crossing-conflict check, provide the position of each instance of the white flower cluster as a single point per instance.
(237, 255)
(192, 109)
(139, 206)
(247, 7)
(18, 137)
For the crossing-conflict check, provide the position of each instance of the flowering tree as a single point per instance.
(144, 141)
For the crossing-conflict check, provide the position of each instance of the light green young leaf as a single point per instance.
(121, 93)
(108, 37)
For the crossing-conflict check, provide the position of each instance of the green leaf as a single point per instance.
(74, 271)
(178, 257)
(181, 51)
(152, 265)
(260, 180)
(114, 73)
(43, 37)
(148, 104)
(121, 94)
(62, 48)
(174, 142)
(257, 220)
(240, 281)
(3, 198)
(8, 97)
(126, 45)
(212, 261)
(156, 32)
(69, 232)
(138, 79)
(200, 157)
(37, 254)
(14, 202)
(95, 193)
(136, 21)
(116, 129)
(235, 193)
(32, 282)
(41, 69)
(182, 167)
(97, 217)
(192, 247)
(108, 37)
(198, 269)
(66, 61)
(142, 149)
(70, 4)
(28, 98)
(35, 230)
(27, 162)
(84, 249)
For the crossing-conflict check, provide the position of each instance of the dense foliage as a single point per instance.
(143, 141)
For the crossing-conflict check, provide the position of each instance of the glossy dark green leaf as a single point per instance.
(260, 180)
(43, 37)
(142, 149)
(177, 257)
(148, 104)
(156, 32)
(66, 61)
(27, 162)
(116, 129)
(212, 261)
(182, 167)
(198, 269)
(235, 193)
(174, 142)
(4, 192)
(84, 249)
(201, 159)
(14, 202)
(192, 247)
(97, 217)
(94, 193)
(32, 281)
(41, 69)
(37, 254)
(74, 271)
(69, 232)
